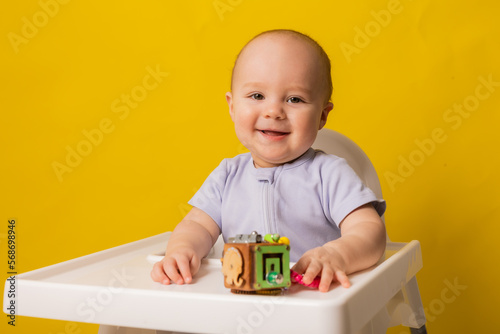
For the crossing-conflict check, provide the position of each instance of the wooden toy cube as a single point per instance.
(255, 267)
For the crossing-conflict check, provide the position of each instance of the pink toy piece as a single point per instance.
(297, 278)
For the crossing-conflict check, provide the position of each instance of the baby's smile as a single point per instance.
(274, 133)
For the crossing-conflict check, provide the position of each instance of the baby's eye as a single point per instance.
(257, 96)
(294, 99)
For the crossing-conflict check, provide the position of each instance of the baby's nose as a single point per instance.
(275, 110)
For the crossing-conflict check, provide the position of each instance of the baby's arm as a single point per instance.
(361, 245)
(190, 241)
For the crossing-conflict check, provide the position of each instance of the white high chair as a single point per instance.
(113, 288)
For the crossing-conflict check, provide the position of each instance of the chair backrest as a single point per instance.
(332, 142)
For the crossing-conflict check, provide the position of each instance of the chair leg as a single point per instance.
(413, 300)
(421, 330)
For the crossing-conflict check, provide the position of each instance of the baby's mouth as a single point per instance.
(274, 133)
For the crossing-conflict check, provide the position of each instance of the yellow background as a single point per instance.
(392, 92)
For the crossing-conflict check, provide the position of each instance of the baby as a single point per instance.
(280, 97)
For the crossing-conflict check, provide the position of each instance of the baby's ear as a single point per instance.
(324, 114)
(229, 100)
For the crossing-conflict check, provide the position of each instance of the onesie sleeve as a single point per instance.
(343, 192)
(209, 197)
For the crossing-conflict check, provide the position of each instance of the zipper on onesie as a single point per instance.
(267, 206)
(266, 177)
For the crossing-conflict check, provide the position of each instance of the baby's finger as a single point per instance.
(312, 271)
(342, 278)
(301, 265)
(195, 264)
(172, 271)
(157, 273)
(185, 271)
(326, 280)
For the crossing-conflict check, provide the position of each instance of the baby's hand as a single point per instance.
(325, 261)
(178, 266)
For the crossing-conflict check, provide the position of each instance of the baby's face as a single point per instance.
(278, 101)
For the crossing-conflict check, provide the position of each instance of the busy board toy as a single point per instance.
(255, 265)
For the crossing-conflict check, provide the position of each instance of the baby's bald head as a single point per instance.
(322, 58)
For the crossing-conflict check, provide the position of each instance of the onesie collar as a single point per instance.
(268, 174)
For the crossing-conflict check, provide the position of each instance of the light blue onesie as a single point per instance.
(304, 200)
